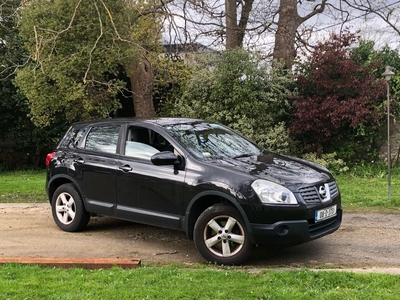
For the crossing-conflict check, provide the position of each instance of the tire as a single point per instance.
(68, 210)
(221, 236)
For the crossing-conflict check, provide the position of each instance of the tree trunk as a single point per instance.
(141, 75)
(285, 37)
(289, 21)
(235, 31)
(231, 17)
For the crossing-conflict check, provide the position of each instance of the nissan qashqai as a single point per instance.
(225, 192)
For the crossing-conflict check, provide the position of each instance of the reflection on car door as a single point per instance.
(147, 193)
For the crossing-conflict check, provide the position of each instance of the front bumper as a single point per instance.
(286, 233)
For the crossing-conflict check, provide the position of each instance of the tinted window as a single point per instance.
(103, 139)
(205, 140)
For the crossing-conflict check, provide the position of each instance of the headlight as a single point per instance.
(273, 193)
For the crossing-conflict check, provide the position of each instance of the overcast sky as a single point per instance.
(371, 26)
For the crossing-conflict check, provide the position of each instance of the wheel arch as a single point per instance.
(59, 180)
(206, 199)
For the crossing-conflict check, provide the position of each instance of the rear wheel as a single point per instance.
(68, 210)
(221, 236)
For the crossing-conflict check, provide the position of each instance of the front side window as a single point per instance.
(103, 139)
(139, 143)
(207, 140)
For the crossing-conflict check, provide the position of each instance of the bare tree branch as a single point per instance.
(386, 12)
(96, 42)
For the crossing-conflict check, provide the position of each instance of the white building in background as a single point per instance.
(185, 52)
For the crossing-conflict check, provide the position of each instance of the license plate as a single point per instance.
(325, 213)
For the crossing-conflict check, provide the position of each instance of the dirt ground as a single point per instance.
(369, 242)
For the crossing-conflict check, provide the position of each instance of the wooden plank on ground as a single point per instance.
(89, 263)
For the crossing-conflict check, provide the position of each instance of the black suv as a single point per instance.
(201, 177)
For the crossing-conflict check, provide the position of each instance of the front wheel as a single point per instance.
(68, 210)
(221, 236)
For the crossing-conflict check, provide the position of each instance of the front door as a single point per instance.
(147, 193)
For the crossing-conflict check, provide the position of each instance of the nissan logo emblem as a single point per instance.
(322, 191)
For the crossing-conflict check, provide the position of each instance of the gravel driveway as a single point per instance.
(365, 242)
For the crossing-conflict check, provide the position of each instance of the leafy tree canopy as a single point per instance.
(171, 77)
(9, 55)
(77, 49)
(376, 61)
(30, 142)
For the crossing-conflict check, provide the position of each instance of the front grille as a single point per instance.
(310, 194)
(334, 189)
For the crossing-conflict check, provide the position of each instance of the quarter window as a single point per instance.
(103, 139)
(73, 137)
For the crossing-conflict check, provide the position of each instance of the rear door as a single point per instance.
(95, 164)
(147, 193)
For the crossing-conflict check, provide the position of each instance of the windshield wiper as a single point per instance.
(244, 155)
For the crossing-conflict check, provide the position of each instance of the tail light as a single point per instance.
(49, 157)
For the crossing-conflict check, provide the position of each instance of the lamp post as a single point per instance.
(388, 74)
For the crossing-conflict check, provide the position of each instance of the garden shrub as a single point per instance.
(328, 160)
(237, 89)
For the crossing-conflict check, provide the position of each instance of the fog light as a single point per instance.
(282, 230)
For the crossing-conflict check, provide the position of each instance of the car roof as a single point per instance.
(156, 121)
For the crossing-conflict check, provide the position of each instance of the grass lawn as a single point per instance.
(23, 187)
(369, 193)
(172, 282)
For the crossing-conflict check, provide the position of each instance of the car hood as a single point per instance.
(284, 170)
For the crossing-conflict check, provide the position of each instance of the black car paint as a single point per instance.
(126, 188)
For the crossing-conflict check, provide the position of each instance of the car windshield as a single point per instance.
(208, 140)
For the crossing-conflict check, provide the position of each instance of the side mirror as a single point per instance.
(164, 158)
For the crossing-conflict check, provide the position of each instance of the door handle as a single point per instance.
(125, 168)
(79, 161)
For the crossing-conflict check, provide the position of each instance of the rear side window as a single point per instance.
(103, 139)
(72, 137)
